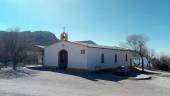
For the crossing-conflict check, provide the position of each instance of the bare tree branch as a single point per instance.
(137, 43)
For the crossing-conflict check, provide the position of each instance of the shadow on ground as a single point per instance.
(8, 73)
(94, 76)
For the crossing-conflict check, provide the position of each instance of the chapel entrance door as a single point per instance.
(63, 59)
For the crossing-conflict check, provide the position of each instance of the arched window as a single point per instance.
(102, 58)
(115, 58)
(126, 58)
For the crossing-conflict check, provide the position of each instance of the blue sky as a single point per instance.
(106, 22)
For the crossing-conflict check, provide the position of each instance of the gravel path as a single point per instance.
(46, 83)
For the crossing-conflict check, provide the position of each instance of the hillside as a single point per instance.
(43, 38)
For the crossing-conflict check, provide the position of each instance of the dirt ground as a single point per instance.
(38, 82)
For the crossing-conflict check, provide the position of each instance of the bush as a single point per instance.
(161, 64)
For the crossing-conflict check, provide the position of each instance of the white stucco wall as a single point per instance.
(75, 58)
(94, 58)
(91, 60)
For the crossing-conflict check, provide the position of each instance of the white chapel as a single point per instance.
(84, 55)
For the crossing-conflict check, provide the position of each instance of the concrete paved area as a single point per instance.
(49, 83)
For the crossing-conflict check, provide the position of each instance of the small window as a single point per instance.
(102, 58)
(126, 57)
(115, 58)
(82, 51)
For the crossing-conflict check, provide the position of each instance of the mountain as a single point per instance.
(87, 41)
(43, 38)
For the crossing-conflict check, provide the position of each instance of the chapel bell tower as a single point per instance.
(64, 36)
